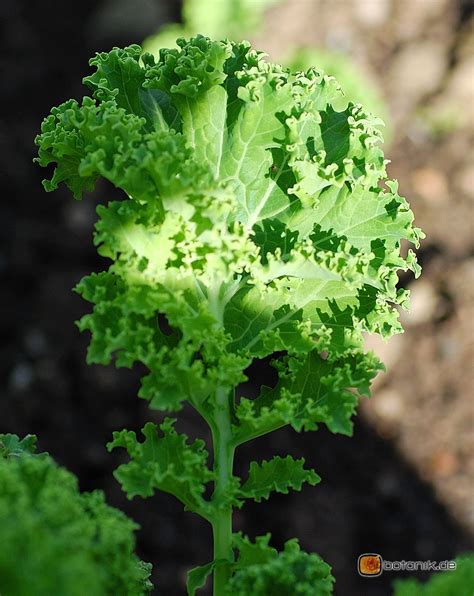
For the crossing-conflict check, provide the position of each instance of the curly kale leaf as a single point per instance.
(55, 534)
(12, 446)
(279, 474)
(257, 218)
(261, 570)
(164, 461)
(311, 390)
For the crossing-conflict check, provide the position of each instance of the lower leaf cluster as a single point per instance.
(261, 570)
(56, 540)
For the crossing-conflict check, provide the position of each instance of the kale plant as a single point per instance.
(56, 540)
(458, 582)
(256, 219)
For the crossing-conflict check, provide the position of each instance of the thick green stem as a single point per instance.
(223, 465)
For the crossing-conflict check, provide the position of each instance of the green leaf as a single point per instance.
(120, 77)
(124, 323)
(125, 328)
(247, 160)
(164, 461)
(357, 87)
(197, 577)
(261, 570)
(193, 78)
(95, 140)
(11, 446)
(257, 219)
(194, 68)
(204, 125)
(279, 474)
(56, 534)
(311, 390)
(253, 553)
(266, 212)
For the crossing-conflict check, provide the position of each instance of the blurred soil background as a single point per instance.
(403, 486)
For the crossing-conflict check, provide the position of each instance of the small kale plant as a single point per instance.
(56, 540)
(256, 219)
(458, 582)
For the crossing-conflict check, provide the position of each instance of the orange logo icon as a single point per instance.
(369, 565)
